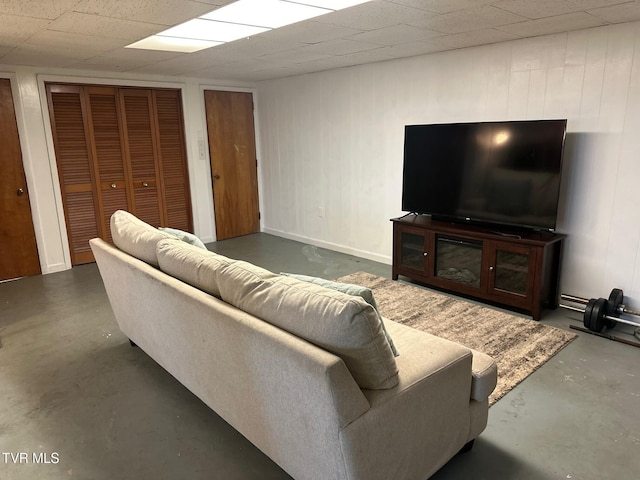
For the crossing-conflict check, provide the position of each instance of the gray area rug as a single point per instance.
(519, 346)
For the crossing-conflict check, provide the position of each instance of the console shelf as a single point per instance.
(517, 269)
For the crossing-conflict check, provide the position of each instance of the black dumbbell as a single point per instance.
(601, 312)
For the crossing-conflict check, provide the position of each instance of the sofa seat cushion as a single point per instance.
(135, 237)
(191, 264)
(342, 324)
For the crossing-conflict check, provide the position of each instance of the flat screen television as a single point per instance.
(497, 173)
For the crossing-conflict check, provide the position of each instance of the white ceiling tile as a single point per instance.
(298, 55)
(374, 15)
(340, 47)
(443, 6)
(37, 8)
(40, 55)
(625, 12)
(401, 50)
(89, 24)
(472, 19)
(217, 3)
(258, 70)
(310, 32)
(16, 30)
(395, 35)
(4, 51)
(100, 67)
(243, 50)
(133, 56)
(74, 42)
(557, 24)
(187, 61)
(548, 8)
(162, 12)
(476, 37)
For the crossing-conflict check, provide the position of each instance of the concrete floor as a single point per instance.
(75, 394)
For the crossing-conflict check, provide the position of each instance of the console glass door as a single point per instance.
(512, 272)
(412, 251)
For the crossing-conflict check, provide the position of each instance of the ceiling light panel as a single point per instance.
(265, 13)
(172, 44)
(211, 30)
(241, 19)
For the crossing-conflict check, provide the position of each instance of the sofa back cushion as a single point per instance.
(135, 237)
(191, 264)
(342, 324)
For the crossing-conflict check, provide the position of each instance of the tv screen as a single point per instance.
(505, 173)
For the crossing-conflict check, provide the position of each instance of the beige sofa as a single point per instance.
(304, 372)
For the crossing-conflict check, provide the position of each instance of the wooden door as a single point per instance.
(173, 159)
(142, 151)
(112, 176)
(232, 150)
(76, 171)
(18, 249)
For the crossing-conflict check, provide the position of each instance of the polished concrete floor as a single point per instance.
(75, 394)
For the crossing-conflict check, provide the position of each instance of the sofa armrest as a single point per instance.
(415, 428)
(484, 376)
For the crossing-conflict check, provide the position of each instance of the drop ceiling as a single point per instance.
(92, 34)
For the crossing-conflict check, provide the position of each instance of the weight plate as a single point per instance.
(597, 315)
(586, 318)
(615, 300)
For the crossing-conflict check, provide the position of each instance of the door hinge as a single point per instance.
(259, 216)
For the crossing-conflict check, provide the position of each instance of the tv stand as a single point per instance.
(519, 270)
(504, 234)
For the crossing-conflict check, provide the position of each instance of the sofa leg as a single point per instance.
(132, 344)
(467, 448)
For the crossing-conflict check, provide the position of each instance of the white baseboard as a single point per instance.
(54, 268)
(386, 259)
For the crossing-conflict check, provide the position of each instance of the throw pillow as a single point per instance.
(350, 289)
(342, 324)
(191, 264)
(188, 237)
(135, 237)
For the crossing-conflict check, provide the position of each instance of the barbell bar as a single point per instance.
(599, 313)
(616, 297)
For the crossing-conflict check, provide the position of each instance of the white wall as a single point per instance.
(332, 143)
(39, 156)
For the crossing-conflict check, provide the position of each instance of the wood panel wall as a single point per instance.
(118, 148)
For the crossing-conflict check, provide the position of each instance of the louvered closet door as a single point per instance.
(107, 148)
(118, 148)
(75, 169)
(140, 140)
(173, 159)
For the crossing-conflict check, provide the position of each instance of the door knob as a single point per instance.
(20, 192)
(145, 184)
(217, 177)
